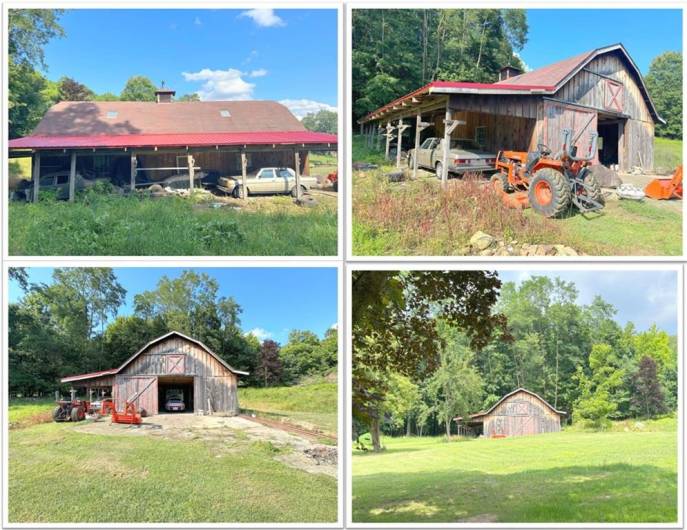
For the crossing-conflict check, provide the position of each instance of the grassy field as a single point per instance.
(417, 218)
(131, 478)
(310, 404)
(133, 226)
(667, 154)
(626, 475)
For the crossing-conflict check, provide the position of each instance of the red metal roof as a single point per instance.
(173, 140)
(91, 375)
(547, 80)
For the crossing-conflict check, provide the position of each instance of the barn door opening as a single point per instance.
(609, 141)
(173, 390)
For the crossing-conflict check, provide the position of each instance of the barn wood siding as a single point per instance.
(589, 87)
(126, 386)
(211, 378)
(559, 116)
(521, 414)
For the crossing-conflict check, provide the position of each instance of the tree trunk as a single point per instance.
(448, 428)
(374, 434)
(408, 433)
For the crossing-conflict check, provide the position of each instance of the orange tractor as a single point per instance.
(550, 183)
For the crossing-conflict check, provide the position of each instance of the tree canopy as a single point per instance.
(664, 82)
(322, 121)
(395, 51)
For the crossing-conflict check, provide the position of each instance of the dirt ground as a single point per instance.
(219, 429)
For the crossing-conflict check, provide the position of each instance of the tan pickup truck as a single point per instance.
(267, 181)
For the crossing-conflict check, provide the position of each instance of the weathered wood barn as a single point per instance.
(129, 142)
(600, 90)
(172, 363)
(520, 413)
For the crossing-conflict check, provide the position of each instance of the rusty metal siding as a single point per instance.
(522, 414)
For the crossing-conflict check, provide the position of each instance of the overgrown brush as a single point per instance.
(430, 220)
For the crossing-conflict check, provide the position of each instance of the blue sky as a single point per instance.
(285, 54)
(556, 34)
(641, 297)
(274, 300)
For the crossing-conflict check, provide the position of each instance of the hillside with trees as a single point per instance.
(74, 325)
(430, 346)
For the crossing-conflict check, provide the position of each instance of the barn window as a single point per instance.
(175, 364)
(481, 136)
(613, 96)
(225, 113)
(112, 114)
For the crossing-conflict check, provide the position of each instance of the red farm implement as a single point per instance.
(71, 410)
(131, 415)
(663, 189)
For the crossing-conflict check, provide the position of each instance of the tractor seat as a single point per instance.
(532, 158)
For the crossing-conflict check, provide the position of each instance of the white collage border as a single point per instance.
(344, 261)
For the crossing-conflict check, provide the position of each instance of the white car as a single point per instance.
(268, 180)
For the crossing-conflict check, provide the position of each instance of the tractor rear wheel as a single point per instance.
(78, 414)
(549, 193)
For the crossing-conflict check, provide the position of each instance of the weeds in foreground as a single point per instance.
(433, 221)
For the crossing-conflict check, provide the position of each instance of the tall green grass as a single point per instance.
(667, 154)
(99, 224)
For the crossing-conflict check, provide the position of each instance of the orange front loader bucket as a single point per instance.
(662, 189)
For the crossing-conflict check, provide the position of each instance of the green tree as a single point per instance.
(664, 82)
(602, 390)
(29, 30)
(400, 400)
(455, 388)
(304, 355)
(395, 327)
(138, 88)
(189, 97)
(321, 121)
(106, 96)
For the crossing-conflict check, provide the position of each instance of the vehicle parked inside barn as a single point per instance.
(464, 156)
(57, 182)
(267, 181)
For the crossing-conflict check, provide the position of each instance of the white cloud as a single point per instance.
(259, 333)
(302, 107)
(197, 21)
(221, 84)
(260, 72)
(265, 18)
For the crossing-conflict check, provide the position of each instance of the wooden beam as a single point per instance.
(133, 170)
(297, 162)
(191, 172)
(401, 128)
(36, 174)
(244, 170)
(72, 177)
(419, 127)
(389, 136)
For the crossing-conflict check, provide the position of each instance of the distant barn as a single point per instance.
(171, 364)
(520, 413)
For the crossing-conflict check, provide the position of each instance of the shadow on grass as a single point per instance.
(620, 493)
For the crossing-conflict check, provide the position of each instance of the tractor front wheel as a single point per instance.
(499, 182)
(593, 189)
(549, 193)
(57, 414)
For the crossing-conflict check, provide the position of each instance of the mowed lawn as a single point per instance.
(624, 477)
(138, 478)
(311, 404)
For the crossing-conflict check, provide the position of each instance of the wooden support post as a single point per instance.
(191, 172)
(361, 128)
(36, 174)
(419, 127)
(449, 125)
(389, 136)
(399, 147)
(378, 136)
(297, 162)
(133, 170)
(244, 170)
(72, 177)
